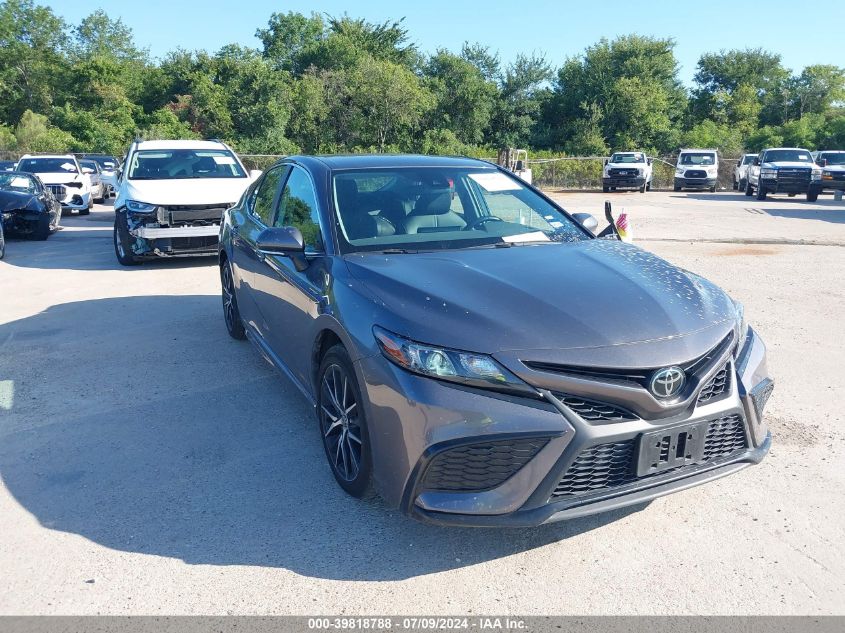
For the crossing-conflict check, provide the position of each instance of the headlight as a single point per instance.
(140, 207)
(477, 370)
(741, 326)
(679, 171)
(768, 172)
(817, 174)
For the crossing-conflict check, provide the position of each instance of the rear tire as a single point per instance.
(122, 242)
(343, 423)
(761, 193)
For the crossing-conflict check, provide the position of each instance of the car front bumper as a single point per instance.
(695, 183)
(830, 184)
(776, 185)
(76, 200)
(416, 425)
(623, 182)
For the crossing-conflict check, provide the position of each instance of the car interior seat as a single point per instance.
(433, 212)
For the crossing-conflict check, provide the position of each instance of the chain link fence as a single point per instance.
(558, 173)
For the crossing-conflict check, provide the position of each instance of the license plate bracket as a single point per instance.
(666, 449)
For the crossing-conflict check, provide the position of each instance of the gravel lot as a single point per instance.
(150, 464)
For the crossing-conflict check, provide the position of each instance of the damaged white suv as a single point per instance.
(171, 197)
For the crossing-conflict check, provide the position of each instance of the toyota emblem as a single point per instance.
(667, 382)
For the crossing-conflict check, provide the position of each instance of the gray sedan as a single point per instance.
(475, 354)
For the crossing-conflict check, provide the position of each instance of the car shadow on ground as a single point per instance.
(166, 437)
(85, 243)
(835, 216)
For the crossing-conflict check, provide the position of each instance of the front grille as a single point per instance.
(595, 411)
(623, 172)
(611, 465)
(195, 214)
(716, 386)
(793, 177)
(695, 173)
(480, 467)
(59, 191)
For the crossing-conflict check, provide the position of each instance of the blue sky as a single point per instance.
(803, 33)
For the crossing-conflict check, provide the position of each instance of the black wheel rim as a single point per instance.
(340, 423)
(229, 306)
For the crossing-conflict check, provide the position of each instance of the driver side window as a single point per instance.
(298, 207)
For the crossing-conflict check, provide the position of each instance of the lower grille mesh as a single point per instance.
(480, 466)
(716, 386)
(610, 465)
(595, 411)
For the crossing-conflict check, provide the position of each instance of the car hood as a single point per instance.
(587, 295)
(13, 200)
(789, 164)
(627, 165)
(60, 178)
(184, 191)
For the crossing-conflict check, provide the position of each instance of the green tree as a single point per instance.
(713, 135)
(32, 40)
(389, 101)
(465, 98)
(520, 101)
(34, 134)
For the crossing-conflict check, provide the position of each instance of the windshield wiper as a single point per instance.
(397, 251)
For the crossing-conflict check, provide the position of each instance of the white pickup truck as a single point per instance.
(171, 197)
(789, 170)
(627, 170)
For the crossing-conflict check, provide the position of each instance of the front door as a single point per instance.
(289, 299)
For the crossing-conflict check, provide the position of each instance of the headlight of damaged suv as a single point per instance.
(478, 370)
(140, 207)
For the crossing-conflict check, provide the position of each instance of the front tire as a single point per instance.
(42, 228)
(812, 196)
(605, 189)
(742, 185)
(642, 189)
(2, 240)
(343, 424)
(86, 210)
(761, 192)
(231, 313)
(122, 241)
(749, 190)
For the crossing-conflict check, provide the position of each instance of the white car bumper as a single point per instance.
(179, 231)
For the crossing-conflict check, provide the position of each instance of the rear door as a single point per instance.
(247, 224)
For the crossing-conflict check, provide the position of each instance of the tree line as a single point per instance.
(322, 84)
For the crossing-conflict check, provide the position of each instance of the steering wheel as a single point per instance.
(482, 220)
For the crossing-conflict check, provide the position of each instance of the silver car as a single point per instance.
(475, 354)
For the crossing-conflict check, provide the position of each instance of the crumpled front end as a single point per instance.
(174, 230)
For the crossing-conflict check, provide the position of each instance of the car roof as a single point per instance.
(798, 149)
(695, 149)
(369, 161)
(35, 156)
(181, 144)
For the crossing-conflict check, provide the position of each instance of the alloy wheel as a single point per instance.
(228, 297)
(340, 423)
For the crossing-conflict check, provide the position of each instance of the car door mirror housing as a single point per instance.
(286, 240)
(587, 220)
(757, 162)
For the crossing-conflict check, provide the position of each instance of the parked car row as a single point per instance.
(790, 170)
(695, 169)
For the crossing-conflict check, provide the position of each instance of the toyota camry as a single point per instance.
(476, 354)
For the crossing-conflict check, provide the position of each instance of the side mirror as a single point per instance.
(822, 162)
(757, 162)
(587, 221)
(605, 161)
(649, 160)
(254, 174)
(286, 240)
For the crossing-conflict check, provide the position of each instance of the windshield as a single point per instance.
(697, 158)
(89, 164)
(18, 182)
(788, 156)
(749, 159)
(627, 158)
(105, 162)
(47, 165)
(834, 158)
(431, 208)
(184, 163)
